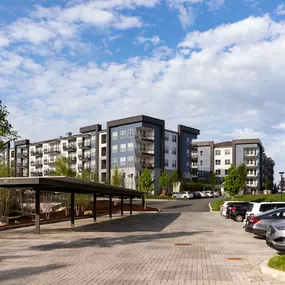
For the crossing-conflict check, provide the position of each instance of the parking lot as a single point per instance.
(151, 248)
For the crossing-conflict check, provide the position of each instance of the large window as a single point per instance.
(218, 171)
(114, 148)
(123, 134)
(174, 150)
(130, 160)
(122, 161)
(130, 133)
(201, 152)
(166, 162)
(201, 162)
(166, 138)
(173, 163)
(173, 138)
(226, 172)
(218, 152)
(218, 162)
(227, 151)
(227, 162)
(130, 146)
(114, 162)
(114, 136)
(123, 147)
(166, 149)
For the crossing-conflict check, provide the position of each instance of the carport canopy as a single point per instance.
(72, 186)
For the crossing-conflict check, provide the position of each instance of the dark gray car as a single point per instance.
(258, 224)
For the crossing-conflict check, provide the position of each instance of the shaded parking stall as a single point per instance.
(72, 186)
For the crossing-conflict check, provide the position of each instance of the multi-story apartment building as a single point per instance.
(131, 144)
(214, 157)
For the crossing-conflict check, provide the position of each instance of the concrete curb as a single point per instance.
(210, 207)
(277, 274)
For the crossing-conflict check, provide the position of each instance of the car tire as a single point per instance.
(185, 197)
(239, 218)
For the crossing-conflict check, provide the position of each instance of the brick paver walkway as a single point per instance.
(137, 250)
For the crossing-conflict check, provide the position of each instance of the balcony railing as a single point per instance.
(70, 147)
(52, 151)
(80, 144)
(142, 165)
(49, 162)
(87, 144)
(48, 172)
(36, 163)
(73, 160)
(37, 152)
(194, 159)
(87, 158)
(36, 173)
(145, 137)
(22, 154)
(144, 151)
(80, 168)
(252, 165)
(251, 155)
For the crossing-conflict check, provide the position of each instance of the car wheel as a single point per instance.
(185, 197)
(239, 218)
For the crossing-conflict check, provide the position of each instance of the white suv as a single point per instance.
(224, 206)
(259, 208)
(182, 195)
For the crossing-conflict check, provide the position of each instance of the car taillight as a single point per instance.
(254, 220)
(234, 209)
(251, 214)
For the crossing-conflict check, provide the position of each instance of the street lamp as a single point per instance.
(281, 182)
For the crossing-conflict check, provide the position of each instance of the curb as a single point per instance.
(277, 274)
(210, 207)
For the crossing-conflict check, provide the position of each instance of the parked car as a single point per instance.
(216, 194)
(210, 194)
(204, 194)
(258, 224)
(259, 208)
(200, 194)
(190, 194)
(275, 236)
(223, 207)
(238, 211)
(181, 195)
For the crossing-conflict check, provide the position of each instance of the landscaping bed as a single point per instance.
(277, 262)
(247, 198)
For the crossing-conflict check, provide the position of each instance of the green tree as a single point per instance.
(213, 180)
(242, 174)
(268, 184)
(89, 175)
(116, 177)
(7, 133)
(122, 179)
(145, 181)
(164, 180)
(5, 196)
(232, 182)
(174, 178)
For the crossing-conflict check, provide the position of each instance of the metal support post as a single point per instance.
(131, 205)
(38, 211)
(110, 207)
(72, 213)
(94, 207)
(122, 206)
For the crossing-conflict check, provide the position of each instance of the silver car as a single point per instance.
(258, 224)
(275, 236)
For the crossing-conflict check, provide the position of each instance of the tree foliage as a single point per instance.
(122, 179)
(242, 174)
(145, 181)
(6, 130)
(175, 178)
(164, 180)
(268, 184)
(116, 177)
(232, 181)
(63, 167)
(213, 180)
(5, 196)
(90, 175)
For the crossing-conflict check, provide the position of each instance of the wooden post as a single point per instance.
(72, 213)
(131, 205)
(110, 207)
(143, 202)
(122, 206)
(94, 207)
(38, 211)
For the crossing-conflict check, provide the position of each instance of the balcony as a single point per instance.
(86, 145)
(142, 165)
(70, 147)
(49, 162)
(22, 154)
(194, 159)
(144, 151)
(251, 155)
(87, 158)
(145, 137)
(52, 151)
(72, 160)
(80, 168)
(36, 163)
(252, 165)
(80, 144)
(37, 152)
(87, 167)
(36, 173)
(48, 172)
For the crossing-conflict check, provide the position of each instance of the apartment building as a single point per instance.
(214, 157)
(131, 144)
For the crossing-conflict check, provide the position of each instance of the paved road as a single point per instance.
(147, 249)
(181, 206)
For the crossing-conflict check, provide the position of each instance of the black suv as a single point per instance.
(238, 211)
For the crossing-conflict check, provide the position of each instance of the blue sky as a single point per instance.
(216, 65)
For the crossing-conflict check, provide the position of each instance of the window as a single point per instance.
(218, 152)
(166, 162)
(130, 160)
(130, 146)
(114, 162)
(188, 152)
(201, 173)
(103, 139)
(201, 162)
(130, 133)
(227, 151)
(166, 149)
(174, 150)
(226, 172)
(123, 147)
(227, 162)
(122, 161)
(218, 162)
(123, 134)
(114, 136)
(188, 140)
(265, 207)
(173, 138)
(201, 152)
(166, 138)
(218, 171)
(173, 163)
(114, 148)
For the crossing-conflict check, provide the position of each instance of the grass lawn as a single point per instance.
(277, 262)
(248, 198)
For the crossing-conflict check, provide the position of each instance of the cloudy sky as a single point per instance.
(215, 65)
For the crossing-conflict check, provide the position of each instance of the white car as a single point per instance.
(210, 194)
(216, 194)
(182, 195)
(259, 208)
(224, 206)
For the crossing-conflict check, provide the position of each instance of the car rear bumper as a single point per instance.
(275, 245)
(259, 232)
(248, 229)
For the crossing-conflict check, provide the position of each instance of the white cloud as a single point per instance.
(248, 31)
(245, 134)
(215, 4)
(281, 126)
(280, 10)
(3, 41)
(154, 40)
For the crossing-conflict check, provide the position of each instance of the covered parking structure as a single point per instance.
(72, 186)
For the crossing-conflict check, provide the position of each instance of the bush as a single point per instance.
(191, 186)
(277, 262)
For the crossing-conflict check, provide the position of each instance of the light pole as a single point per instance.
(281, 183)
